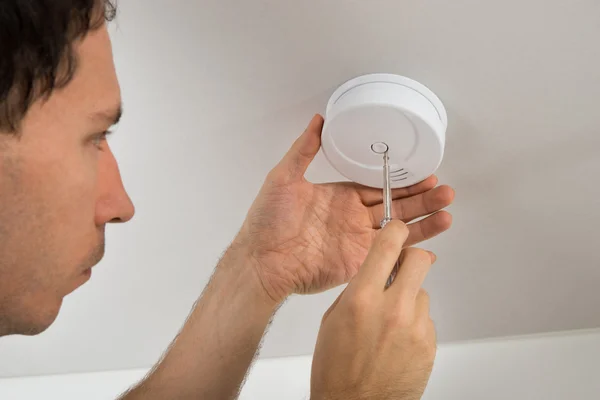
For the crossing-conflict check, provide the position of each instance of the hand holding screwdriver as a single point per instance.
(377, 343)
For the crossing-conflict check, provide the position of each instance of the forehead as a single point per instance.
(94, 85)
(93, 89)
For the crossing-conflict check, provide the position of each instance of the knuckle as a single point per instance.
(358, 305)
(417, 335)
(399, 319)
(423, 295)
(420, 338)
(277, 176)
(423, 339)
(272, 177)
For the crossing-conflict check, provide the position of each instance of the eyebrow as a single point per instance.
(111, 117)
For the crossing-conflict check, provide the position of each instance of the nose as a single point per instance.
(113, 204)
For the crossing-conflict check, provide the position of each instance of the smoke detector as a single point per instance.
(375, 113)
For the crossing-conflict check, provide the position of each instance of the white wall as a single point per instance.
(553, 367)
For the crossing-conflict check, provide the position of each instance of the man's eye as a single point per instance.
(99, 139)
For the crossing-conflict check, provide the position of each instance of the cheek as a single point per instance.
(58, 201)
(29, 265)
(69, 187)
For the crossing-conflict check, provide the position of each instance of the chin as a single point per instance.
(44, 318)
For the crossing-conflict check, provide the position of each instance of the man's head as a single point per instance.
(59, 182)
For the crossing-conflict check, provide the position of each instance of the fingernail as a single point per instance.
(433, 256)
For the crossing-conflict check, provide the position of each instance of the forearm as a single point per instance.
(211, 355)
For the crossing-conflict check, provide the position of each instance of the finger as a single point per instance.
(416, 206)
(423, 316)
(414, 266)
(433, 257)
(382, 257)
(432, 335)
(428, 227)
(422, 307)
(372, 196)
(300, 155)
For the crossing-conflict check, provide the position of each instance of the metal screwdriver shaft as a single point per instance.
(387, 207)
(387, 192)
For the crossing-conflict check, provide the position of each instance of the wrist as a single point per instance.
(243, 270)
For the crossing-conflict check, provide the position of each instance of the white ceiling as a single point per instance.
(216, 91)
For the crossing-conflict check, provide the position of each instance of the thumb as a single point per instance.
(303, 151)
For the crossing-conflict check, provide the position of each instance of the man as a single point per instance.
(60, 186)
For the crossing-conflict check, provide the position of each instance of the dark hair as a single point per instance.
(36, 52)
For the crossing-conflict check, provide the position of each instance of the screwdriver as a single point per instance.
(387, 207)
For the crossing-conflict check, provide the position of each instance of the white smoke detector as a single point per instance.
(373, 113)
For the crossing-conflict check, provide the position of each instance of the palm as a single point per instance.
(309, 238)
(317, 236)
